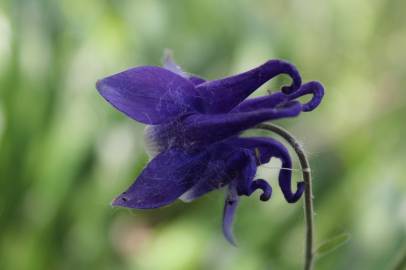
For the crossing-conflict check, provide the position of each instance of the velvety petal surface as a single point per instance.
(175, 172)
(225, 163)
(196, 80)
(200, 130)
(205, 129)
(313, 88)
(277, 99)
(222, 95)
(150, 95)
(264, 102)
(166, 177)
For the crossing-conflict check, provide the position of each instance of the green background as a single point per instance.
(65, 153)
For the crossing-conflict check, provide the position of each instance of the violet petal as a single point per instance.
(196, 80)
(222, 95)
(150, 95)
(264, 102)
(166, 177)
(224, 163)
(314, 88)
(205, 129)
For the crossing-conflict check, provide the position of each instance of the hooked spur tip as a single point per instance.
(296, 196)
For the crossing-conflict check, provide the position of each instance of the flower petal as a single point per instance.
(150, 95)
(196, 80)
(314, 88)
(224, 164)
(199, 130)
(165, 178)
(277, 99)
(205, 129)
(230, 207)
(266, 148)
(222, 95)
(264, 102)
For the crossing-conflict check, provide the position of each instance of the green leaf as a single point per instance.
(332, 244)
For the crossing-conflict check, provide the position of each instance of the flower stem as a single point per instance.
(308, 196)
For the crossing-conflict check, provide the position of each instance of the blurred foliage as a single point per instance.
(65, 153)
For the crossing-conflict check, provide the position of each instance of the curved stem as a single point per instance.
(307, 178)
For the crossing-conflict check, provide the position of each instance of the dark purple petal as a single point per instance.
(222, 95)
(224, 164)
(199, 130)
(230, 207)
(314, 88)
(277, 99)
(267, 148)
(150, 95)
(166, 177)
(264, 102)
(196, 80)
(205, 129)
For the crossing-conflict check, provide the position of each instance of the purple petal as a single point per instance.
(265, 102)
(230, 207)
(222, 95)
(199, 130)
(223, 164)
(204, 129)
(267, 148)
(314, 88)
(196, 80)
(150, 95)
(165, 178)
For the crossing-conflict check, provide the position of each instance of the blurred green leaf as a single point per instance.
(332, 244)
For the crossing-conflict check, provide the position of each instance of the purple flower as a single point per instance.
(193, 128)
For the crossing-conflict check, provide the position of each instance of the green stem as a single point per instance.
(308, 196)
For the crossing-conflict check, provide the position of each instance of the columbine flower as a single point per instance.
(192, 132)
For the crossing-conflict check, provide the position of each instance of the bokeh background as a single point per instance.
(65, 153)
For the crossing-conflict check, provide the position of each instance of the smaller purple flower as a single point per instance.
(193, 129)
